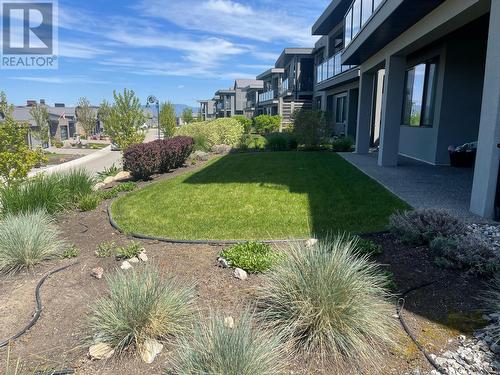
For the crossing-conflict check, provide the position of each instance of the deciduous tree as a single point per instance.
(41, 117)
(168, 119)
(87, 116)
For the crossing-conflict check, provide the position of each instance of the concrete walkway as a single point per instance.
(422, 185)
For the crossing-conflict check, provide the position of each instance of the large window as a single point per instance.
(366, 10)
(356, 17)
(348, 27)
(420, 93)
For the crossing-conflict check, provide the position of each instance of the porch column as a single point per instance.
(487, 161)
(365, 104)
(392, 104)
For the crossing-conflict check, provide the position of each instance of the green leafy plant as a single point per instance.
(115, 190)
(88, 202)
(310, 128)
(216, 348)
(168, 119)
(142, 305)
(28, 239)
(70, 252)
(130, 251)
(108, 172)
(420, 227)
(251, 256)
(223, 131)
(253, 142)
(344, 144)
(265, 124)
(245, 121)
(86, 116)
(331, 302)
(368, 247)
(105, 249)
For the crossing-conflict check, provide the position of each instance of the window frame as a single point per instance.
(428, 63)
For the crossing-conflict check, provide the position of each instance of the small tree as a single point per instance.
(168, 119)
(41, 117)
(265, 124)
(86, 116)
(103, 112)
(187, 115)
(16, 158)
(310, 127)
(124, 119)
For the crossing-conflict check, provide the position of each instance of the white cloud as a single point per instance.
(181, 86)
(80, 50)
(228, 7)
(59, 80)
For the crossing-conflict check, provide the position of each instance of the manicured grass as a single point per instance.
(260, 196)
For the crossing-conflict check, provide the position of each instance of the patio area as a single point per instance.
(422, 185)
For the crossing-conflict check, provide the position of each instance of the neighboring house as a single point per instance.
(269, 103)
(245, 88)
(440, 65)
(225, 102)
(252, 98)
(207, 109)
(297, 82)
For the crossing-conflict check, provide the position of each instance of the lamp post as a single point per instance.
(152, 100)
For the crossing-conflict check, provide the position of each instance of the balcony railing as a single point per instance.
(266, 96)
(284, 86)
(332, 67)
(358, 14)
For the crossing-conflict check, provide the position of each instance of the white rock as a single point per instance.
(98, 186)
(125, 265)
(240, 274)
(221, 262)
(134, 260)
(142, 256)
(311, 242)
(101, 351)
(150, 350)
(108, 180)
(229, 322)
(97, 272)
(123, 175)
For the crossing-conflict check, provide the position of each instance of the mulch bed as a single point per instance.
(437, 314)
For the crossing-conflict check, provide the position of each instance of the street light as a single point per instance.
(152, 100)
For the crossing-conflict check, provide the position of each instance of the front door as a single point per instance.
(340, 110)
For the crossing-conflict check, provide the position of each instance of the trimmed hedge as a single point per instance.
(145, 159)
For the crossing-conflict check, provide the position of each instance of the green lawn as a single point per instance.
(276, 195)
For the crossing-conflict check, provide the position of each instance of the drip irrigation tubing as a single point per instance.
(38, 307)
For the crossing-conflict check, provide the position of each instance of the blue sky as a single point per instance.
(180, 50)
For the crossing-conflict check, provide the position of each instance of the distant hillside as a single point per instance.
(180, 107)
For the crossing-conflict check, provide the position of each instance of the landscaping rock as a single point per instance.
(142, 256)
(97, 272)
(150, 350)
(122, 176)
(240, 274)
(134, 260)
(98, 186)
(311, 242)
(126, 265)
(221, 262)
(108, 180)
(221, 149)
(101, 351)
(200, 155)
(229, 322)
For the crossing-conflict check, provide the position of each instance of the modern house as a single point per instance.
(225, 102)
(247, 95)
(207, 109)
(269, 103)
(429, 74)
(297, 82)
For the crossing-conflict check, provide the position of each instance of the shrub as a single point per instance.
(420, 227)
(201, 143)
(368, 247)
(216, 348)
(345, 144)
(26, 240)
(265, 124)
(281, 141)
(465, 252)
(253, 142)
(105, 249)
(107, 172)
(51, 193)
(251, 256)
(115, 190)
(245, 122)
(88, 202)
(310, 128)
(331, 302)
(140, 306)
(223, 131)
(70, 252)
(130, 251)
(142, 160)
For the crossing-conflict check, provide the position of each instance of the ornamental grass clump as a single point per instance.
(142, 305)
(491, 299)
(28, 239)
(332, 303)
(215, 347)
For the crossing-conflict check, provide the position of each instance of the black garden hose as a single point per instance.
(38, 307)
(399, 309)
(65, 371)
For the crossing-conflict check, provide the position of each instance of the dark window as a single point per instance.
(420, 94)
(341, 109)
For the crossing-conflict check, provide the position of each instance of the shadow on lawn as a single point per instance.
(341, 198)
